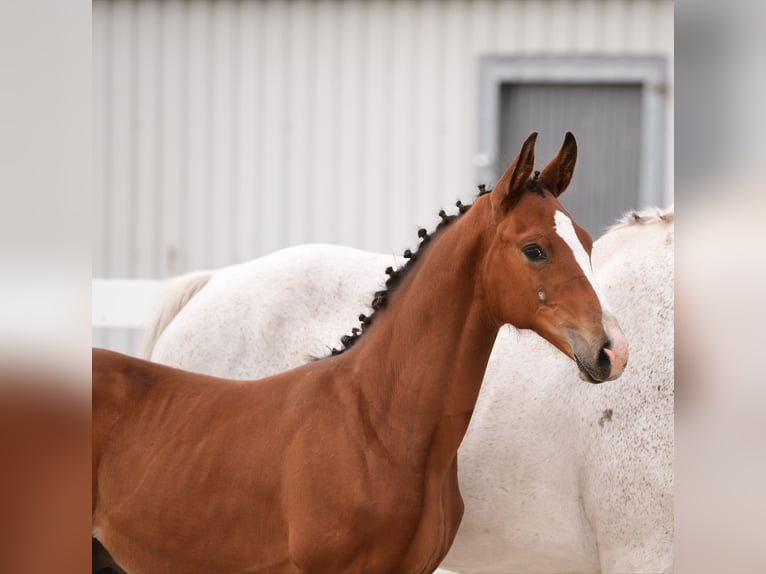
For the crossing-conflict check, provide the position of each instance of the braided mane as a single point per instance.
(395, 276)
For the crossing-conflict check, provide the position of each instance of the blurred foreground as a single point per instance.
(721, 281)
(45, 287)
(44, 472)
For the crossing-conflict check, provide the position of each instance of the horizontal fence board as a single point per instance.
(124, 303)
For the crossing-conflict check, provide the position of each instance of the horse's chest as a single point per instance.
(358, 508)
(387, 523)
(358, 525)
(412, 530)
(437, 526)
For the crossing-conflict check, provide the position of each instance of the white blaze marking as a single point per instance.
(565, 230)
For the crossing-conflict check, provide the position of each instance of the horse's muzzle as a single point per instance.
(611, 358)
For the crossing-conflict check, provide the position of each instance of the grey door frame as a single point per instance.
(648, 71)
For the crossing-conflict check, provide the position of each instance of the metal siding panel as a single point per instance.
(665, 39)
(616, 26)
(101, 102)
(271, 124)
(641, 31)
(466, 71)
(560, 34)
(324, 124)
(507, 26)
(100, 126)
(535, 36)
(427, 179)
(246, 219)
(121, 148)
(375, 125)
(587, 27)
(120, 145)
(456, 116)
(172, 157)
(351, 184)
(145, 138)
(483, 41)
(225, 125)
(484, 27)
(404, 75)
(295, 187)
(119, 186)
(195, 205)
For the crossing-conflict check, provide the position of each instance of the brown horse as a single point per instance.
(348, 464)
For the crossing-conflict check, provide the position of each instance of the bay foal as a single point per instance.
(348, 464)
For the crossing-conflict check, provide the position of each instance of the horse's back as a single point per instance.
(273, 313)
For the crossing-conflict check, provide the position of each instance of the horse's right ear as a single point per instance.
(512, 184)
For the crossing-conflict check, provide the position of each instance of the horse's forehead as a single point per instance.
(536, 214)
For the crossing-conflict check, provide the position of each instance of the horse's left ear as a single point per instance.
(558, 173)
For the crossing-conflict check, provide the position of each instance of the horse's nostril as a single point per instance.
(604, 362)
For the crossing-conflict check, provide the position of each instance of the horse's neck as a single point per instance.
(424, 357)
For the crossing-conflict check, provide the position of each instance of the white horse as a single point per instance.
(556, 475)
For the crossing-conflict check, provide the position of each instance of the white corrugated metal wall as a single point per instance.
(224, 130)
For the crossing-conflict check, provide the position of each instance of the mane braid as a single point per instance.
(647, 216)
(395, 276)
(534, 185)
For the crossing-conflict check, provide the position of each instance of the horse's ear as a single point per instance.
(511, 185)
(558, 173)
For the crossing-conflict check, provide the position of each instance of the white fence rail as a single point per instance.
(121, 310)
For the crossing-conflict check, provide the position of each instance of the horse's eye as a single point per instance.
(534, 253)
